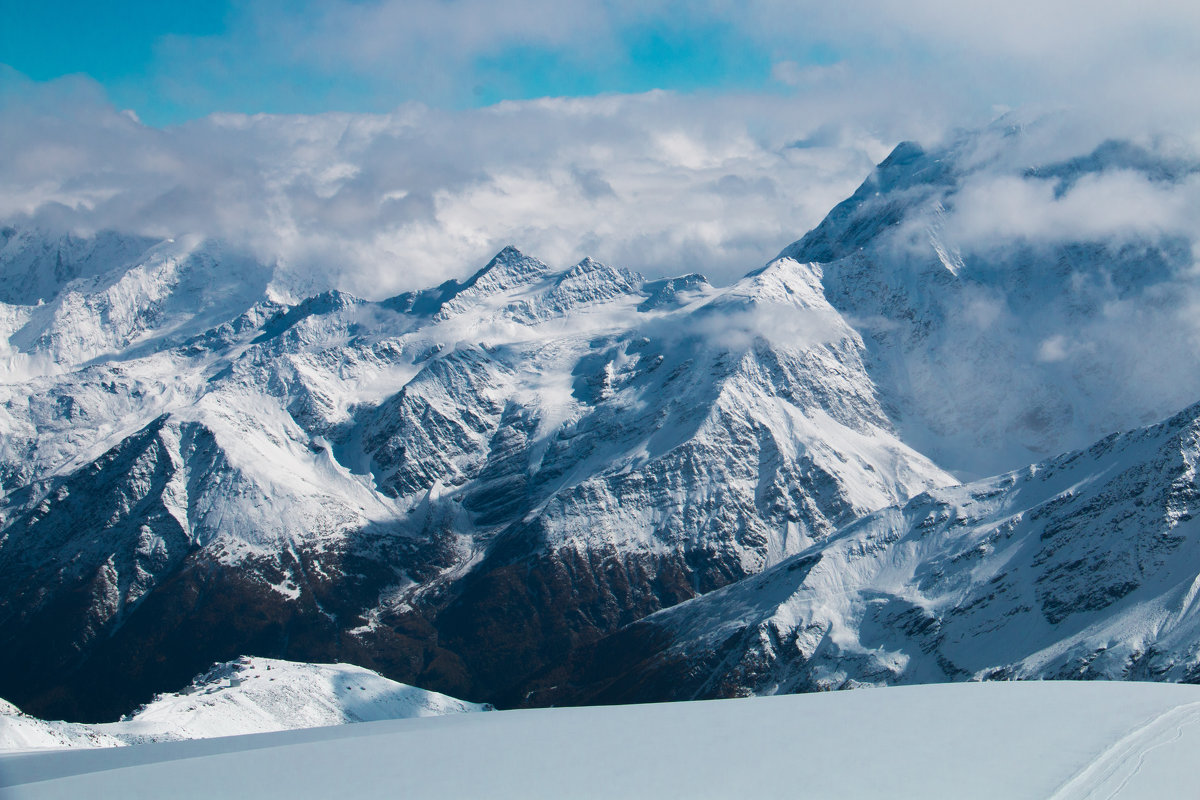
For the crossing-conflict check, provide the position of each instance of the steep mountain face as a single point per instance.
(36, 266)
(1014, 307)
(459, 486)
(1084, 566)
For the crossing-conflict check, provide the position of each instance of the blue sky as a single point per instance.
(111, 42)
(171, 62)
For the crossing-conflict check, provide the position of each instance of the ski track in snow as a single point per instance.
(1116, 772)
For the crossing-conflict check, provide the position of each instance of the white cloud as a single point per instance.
(377, 204)
(996, 210)
(1133, 64)
(795, 74)
(1109, 56)
(1053, 349)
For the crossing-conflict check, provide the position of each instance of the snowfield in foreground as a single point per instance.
(249, 695)
(1005, 740)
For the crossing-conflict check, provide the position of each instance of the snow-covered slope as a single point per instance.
(168, 293)
(36, 265)
(1083, 566)
(250, 695)
(256, 695)
(456, 486)
(20, 731)
(996, 740)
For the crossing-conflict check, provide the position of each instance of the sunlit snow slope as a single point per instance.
(250, 695)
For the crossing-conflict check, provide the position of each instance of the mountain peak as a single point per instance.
(902, 154)
(592, 269)
(508, 269)
(672, 292)
(587, 264)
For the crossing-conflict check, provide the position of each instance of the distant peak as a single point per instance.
(317, 305)
(590, 265)
(592, 281)
(1115, 154)
(903, 154)
(508, 268)
(904, 179)
(673, 292)
(509, 253)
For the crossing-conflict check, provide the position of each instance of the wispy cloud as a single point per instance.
(998, 210)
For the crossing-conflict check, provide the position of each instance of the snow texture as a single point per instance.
(171, 417)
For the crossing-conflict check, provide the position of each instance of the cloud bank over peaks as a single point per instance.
(660, 183)
(376, 204)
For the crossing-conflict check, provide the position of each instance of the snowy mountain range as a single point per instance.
(484, 487)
